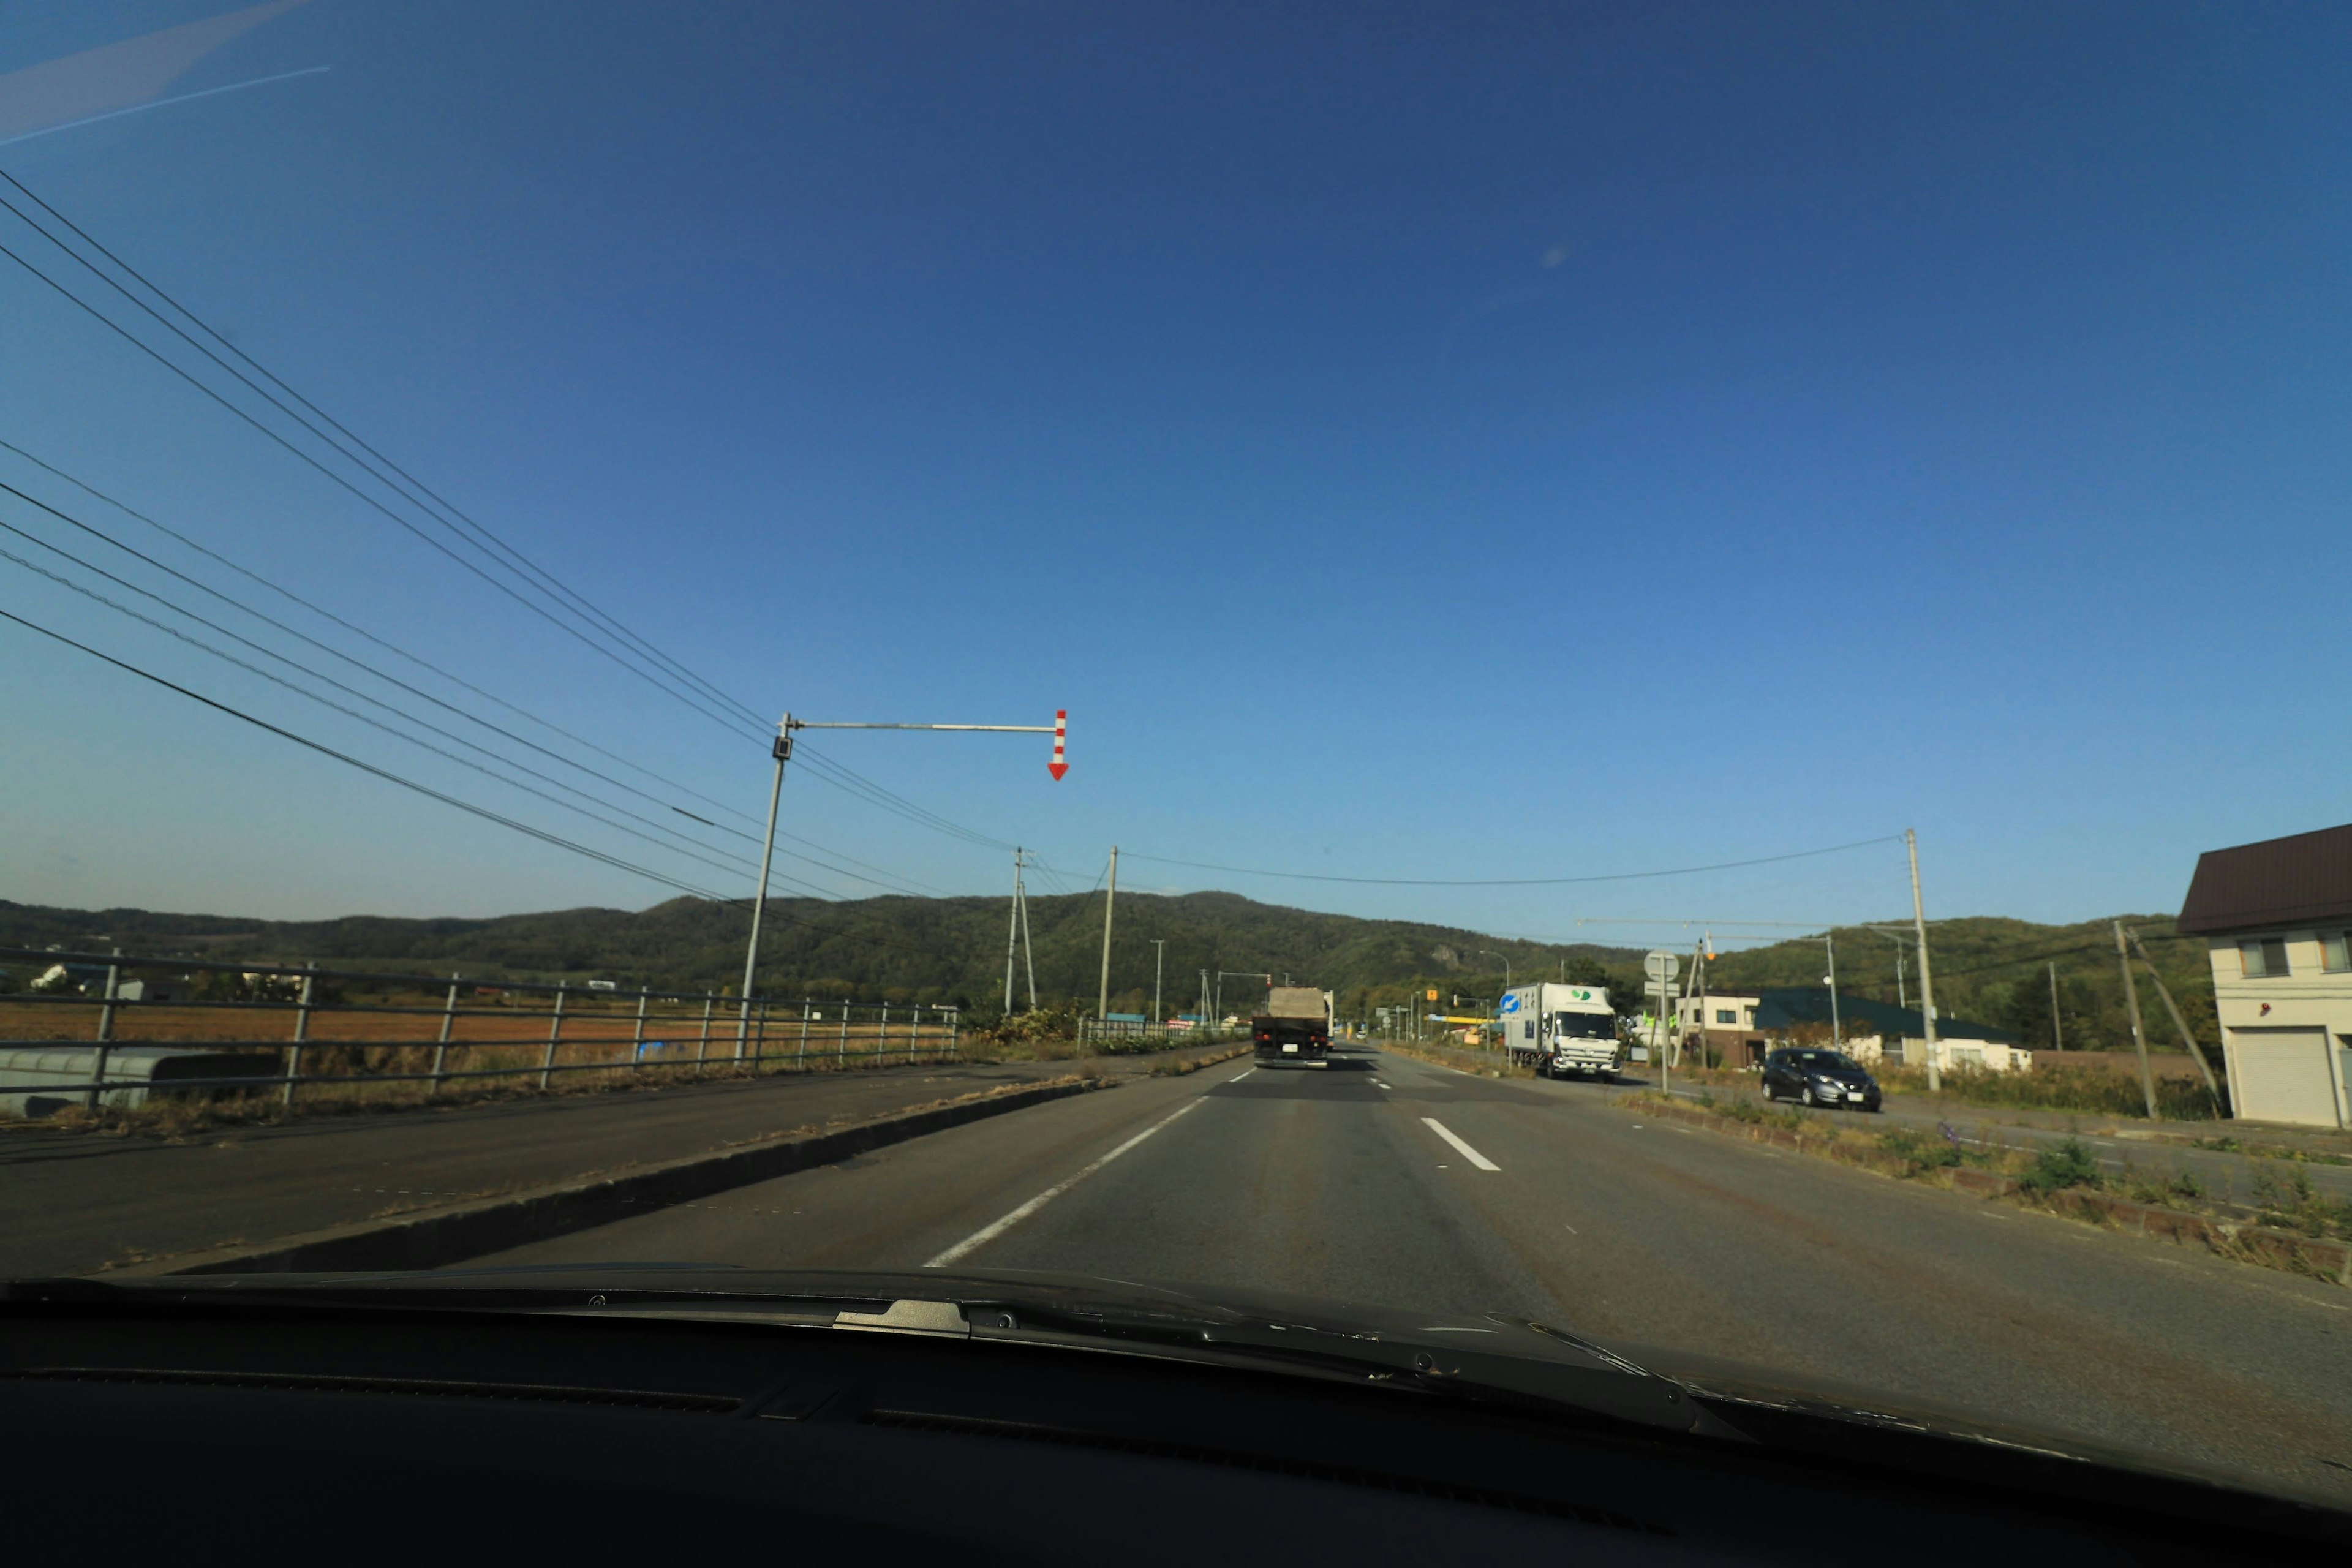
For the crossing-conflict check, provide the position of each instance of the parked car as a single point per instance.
(1817, 1076)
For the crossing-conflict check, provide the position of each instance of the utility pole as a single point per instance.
(1110, 897)
(1159, 962)
(1012, 931)
(1926, 979)
(783, 751)
(2139, 1035)
(1837, 1034)
(1016, 935)
(1706, 943)
(2057, 1031)
(2188, 1040)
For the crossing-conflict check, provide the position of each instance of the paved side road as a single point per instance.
(1386, 1180)
(75, 1204)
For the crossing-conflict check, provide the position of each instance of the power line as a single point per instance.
(744, 865)
(385, 774)
(199, 643)
(366, 500)
(516, 558)
(468, 806)
(1518, 881)
(847, 779)
(885, 878)
(325, 613)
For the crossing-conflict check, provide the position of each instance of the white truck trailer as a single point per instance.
(1562, 1029)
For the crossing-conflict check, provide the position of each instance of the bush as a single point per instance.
(2071, 1164)
(1919, 1152)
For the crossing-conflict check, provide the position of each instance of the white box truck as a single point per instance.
(1562, 1029)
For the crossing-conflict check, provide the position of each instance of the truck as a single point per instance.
(1562, 1030)
(1295, 1026)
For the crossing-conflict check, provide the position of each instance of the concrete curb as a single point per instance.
(2265, 1244)
(430, 1238)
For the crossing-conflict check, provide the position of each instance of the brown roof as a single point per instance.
(2279, 883)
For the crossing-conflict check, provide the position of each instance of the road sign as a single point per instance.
(1660, 964)
(1433, 993)
(1659, 988)
(1058, 766)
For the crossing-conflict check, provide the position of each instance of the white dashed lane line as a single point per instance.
(1460, 1148)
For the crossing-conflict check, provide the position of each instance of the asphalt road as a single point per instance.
(1382, 1179)
(72, 1203)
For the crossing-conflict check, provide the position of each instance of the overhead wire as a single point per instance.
(358, 631)
(472, 808)
(1517, 881)
(733, 723)
(896, 881)
(486, 537)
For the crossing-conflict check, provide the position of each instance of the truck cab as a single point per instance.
(1563, 1030)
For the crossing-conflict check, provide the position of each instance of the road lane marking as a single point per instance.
(1464, 1149)
(988, 1233)
(1241, 1074)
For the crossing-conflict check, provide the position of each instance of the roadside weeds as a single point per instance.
(2288, 1227)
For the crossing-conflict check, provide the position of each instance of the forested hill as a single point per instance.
(893, 949)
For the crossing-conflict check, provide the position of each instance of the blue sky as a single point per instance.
(1596, 439)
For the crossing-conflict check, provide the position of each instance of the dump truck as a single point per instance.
(1562, 1030)
(1295, 1026)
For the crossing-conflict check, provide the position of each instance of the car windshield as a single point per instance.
(935, 593)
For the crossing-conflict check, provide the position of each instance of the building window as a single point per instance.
(1726, 1016)
(2336, 952)
(2263, 958)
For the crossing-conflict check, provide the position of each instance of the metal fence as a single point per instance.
(274, 1028)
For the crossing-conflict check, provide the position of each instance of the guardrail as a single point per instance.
(362, 1033)
(1111, 1036)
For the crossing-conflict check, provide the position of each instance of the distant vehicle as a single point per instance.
(1817, 1076)
(1562, 1029)
(1295, 1026)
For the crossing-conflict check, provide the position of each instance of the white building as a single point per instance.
(2277, 920)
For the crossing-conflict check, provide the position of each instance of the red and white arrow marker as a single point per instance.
(1057, 767)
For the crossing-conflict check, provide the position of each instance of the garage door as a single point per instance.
(2281, 1075)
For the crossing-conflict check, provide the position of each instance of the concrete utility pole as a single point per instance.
(1016, 935)
(2057, 1032)
(1159, 963)
(1110, 897)
(1926, 979)
(1012, 931)
(1837, 1034)
(2139, 1035)
(2196, 1052)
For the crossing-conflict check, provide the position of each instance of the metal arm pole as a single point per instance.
(783, 750)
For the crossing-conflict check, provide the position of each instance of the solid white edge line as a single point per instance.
(988, 1233)
(1241, 1074)
(1467, 1151)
